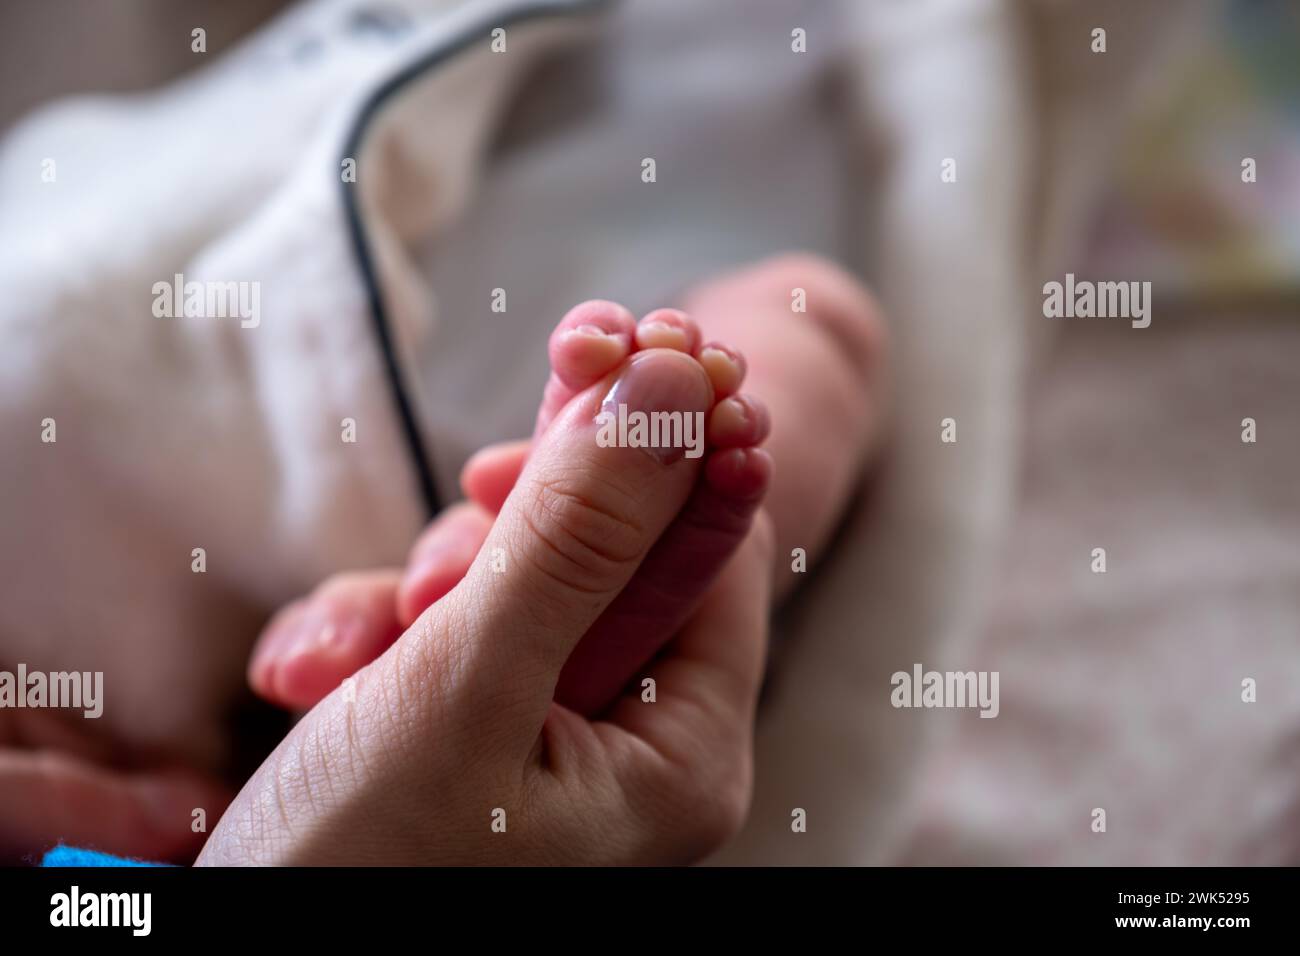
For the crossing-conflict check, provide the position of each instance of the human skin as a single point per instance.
(821, 372)
(413, 759)
(313, 645)
(51, 788)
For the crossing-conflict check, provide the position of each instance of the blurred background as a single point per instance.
(1165, 149)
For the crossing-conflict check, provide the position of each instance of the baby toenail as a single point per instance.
(297, 642)
(737, 410)
(738, 420)
(661, 335)
(725, 369)
(589, 333)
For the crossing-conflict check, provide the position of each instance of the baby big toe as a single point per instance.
(590, 341)
(587, 344)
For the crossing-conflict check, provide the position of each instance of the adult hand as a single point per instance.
(449, 748)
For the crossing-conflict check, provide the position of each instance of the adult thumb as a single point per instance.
(596, 494)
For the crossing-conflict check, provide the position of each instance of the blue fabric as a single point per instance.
(75, 856)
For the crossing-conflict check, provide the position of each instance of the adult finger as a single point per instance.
(582, 516)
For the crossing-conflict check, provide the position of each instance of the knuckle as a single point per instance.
(700, 796)
(715, 812)
(588, 532)
(728, 809)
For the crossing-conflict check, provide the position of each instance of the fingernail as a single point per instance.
(651, 383)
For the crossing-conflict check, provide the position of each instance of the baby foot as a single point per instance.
(310, 645)
(824, 366)
(596, 336)
(816, 347)
(684, 562)
(296, 665)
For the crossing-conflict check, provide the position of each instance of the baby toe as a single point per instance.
(589, 342)
(741, 474)
(668, 329)
(726, 368)
(738, 421)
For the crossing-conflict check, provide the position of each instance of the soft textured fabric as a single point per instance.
(180, 433)
(1123, 691)
(1120, 691)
